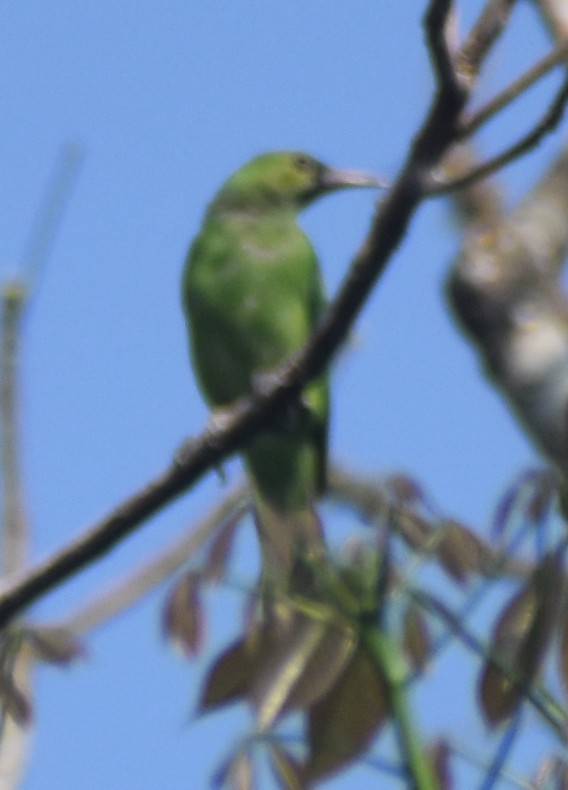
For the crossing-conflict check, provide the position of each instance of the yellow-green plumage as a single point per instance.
(252, 295)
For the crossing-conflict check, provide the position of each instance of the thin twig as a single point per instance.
(50, 213)
(489, 26)
(15, 298)
(435, 23)
(14, 527)
(498, 765)
(547, 124)
(514, 90)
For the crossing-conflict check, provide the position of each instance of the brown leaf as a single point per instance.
(220, 550)
(283, 664)
(460, 551)
(343, 723)
(439, 754)
(300, 658)
(563, 645)
(504, 511)
(543, 497)
(229, 678)
(54, 644)
(16, 704)
(539, 485)
(416, 637)
(405, 490)
(519, 641)
(412, 527)
(182, 618)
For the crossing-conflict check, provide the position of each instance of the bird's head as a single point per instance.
(287, 179)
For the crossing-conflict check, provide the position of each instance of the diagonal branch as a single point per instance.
(514, 90)
(431, 143)
(489, 26)
(546, 125)
(436, 24)
(14, 304)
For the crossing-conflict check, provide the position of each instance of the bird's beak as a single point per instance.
(341, 179)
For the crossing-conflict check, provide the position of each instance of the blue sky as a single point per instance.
(164, 101)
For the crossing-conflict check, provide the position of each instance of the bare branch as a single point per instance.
(514, 90)
(547, 124)
(15, 528)
(14, 300)
(50, 213)
(491, 23)
(436, 24)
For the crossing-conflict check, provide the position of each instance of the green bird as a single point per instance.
(252, 295)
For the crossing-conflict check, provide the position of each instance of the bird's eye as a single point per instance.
(303, 162)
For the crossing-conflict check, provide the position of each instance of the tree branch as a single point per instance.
(432, 142)
(489, 26)
(436, 22)
(514, 90)
(547, 124)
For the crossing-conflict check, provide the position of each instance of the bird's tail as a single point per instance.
(292, 544)
(285, 469)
